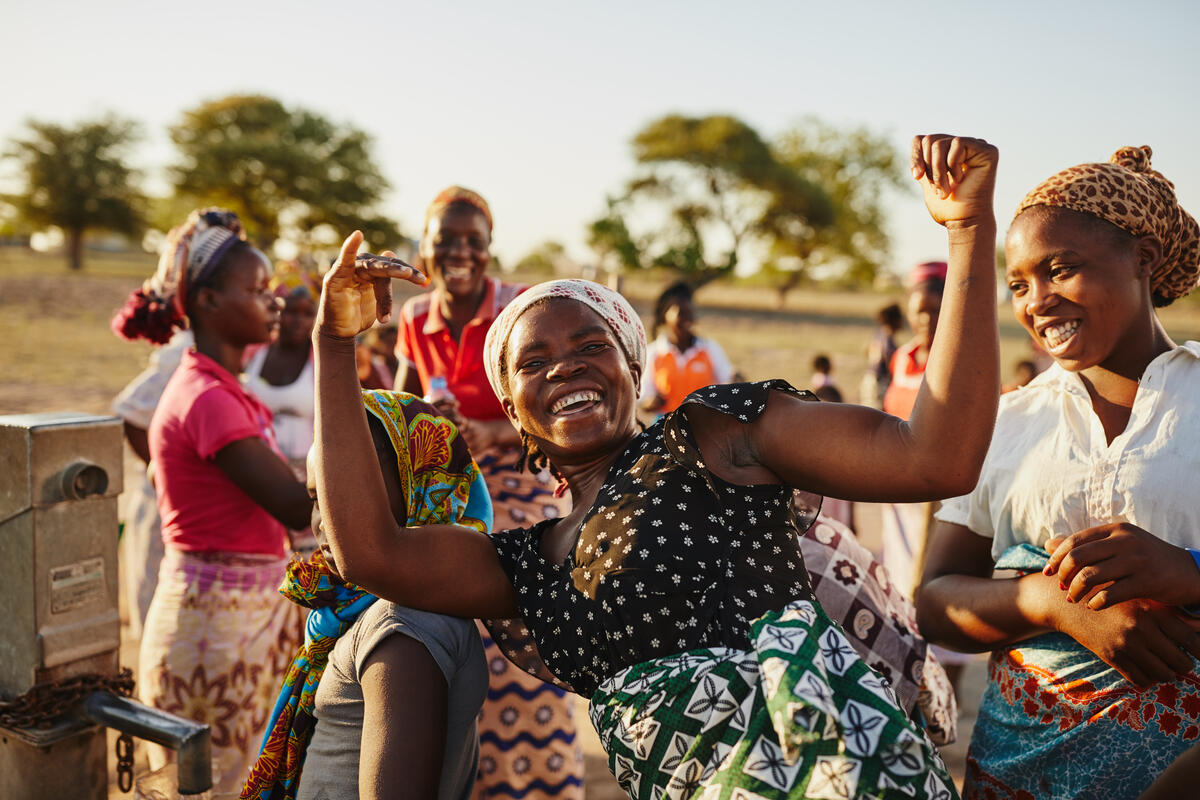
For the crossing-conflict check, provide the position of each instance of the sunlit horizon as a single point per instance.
(534, 106)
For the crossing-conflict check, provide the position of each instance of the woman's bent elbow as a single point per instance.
(950, 480)
(929, 614)
(365, 576)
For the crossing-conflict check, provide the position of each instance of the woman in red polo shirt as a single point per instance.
(218, 635)
(526, 728)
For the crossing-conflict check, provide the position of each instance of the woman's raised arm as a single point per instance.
(441, 568)
(858, 453)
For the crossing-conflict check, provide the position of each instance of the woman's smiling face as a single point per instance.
(1080, 289)
(455, 250)
(570, 387)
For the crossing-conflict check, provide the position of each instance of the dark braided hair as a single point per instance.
(533, 458)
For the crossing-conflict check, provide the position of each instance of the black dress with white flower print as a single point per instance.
(670, 558)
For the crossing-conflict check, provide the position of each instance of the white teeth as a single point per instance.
(572, 399)
(1055, 335)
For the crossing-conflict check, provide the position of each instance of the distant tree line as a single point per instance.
(708, 193)
(285, 171)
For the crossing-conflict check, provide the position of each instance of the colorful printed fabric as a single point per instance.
(857, 592)
(217, 640)
(528, 740)
(669, 558)
(441, 485)
(1137, 199)
(193, 249)
(614, 309)
(1057, 722)
(797, 715)
(290, 277)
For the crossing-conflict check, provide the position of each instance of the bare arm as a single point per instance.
(959, 604)
(404, 722)
(269, 482)
(862, 454)
(446, 569)
(139, 441)
(960, 607)
(1178, 780)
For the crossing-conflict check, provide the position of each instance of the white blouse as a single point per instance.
(1050, 472)
(137, 401)
(294, 405)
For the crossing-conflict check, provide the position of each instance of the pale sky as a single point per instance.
(533, 104)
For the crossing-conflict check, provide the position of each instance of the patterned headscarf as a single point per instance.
(290, 276)
(928, 271)
(1137, 199)
(612, 308)
(457, 194)
(192, 252)
(441, 486)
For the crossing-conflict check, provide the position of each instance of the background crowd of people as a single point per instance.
(527, 422)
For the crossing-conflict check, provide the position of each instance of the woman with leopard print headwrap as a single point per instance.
(1088, 491)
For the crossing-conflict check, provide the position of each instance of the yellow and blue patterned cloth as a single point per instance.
(441, 485)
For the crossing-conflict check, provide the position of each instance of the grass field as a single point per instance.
(59, 353)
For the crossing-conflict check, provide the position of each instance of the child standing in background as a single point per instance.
(678, 362)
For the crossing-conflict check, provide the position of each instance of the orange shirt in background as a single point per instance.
(675, 375)
(907, 375)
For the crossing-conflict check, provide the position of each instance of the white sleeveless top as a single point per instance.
(293, 405)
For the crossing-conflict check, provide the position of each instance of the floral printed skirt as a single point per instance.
(1057, 722)
(218, 639)
(798, 715)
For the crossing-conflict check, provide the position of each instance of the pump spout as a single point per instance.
(189, 739)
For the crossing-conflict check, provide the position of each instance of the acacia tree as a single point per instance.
(610, 239)
(719, 188)
(857, 168)
(76, 178)
(545, 259)
(281, 168)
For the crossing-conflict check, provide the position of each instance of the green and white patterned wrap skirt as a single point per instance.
(798, 716)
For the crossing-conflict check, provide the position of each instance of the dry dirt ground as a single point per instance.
(57, 353)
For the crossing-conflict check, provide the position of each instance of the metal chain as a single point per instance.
(125, 762)
(43, 704)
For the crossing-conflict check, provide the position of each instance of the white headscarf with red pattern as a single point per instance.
(611, 306)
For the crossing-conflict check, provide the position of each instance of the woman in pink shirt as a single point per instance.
(218, 635)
